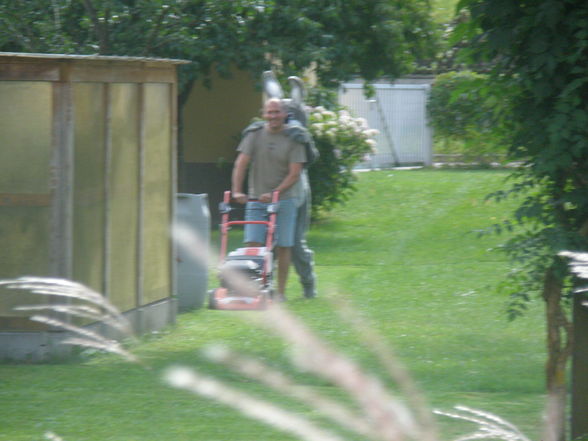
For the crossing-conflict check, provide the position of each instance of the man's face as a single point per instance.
(274, 115)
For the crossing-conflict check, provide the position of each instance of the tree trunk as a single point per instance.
(559, 345)
(99, 27)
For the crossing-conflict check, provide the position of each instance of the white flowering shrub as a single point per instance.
(343, 141)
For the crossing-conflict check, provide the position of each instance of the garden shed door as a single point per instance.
(399, 113)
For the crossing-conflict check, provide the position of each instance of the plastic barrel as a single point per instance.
(193, 214)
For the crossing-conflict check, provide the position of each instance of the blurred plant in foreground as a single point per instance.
(489, 425)
(88, 305)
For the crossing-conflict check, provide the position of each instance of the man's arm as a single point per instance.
(238, 177)
(294, 170)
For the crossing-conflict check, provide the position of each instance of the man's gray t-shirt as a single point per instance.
(271, 155)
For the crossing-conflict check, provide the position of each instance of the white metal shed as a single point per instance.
(399, 112)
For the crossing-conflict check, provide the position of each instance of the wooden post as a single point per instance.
(580, 368)
(62, 175)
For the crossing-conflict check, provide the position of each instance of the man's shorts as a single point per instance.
(285, 222)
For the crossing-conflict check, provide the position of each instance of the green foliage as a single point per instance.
(537, 51)
(536, 54)
(462, 116)
(323, 96)
(454, 105)
(342, 141)
(443, 10)
(109, 27)
(367, 38)
(370, 38)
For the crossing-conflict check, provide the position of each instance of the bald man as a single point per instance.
(275, 162)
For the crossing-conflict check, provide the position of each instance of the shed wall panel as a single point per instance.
(157, 175)
(25, 128)
(89, 185)
(25, 133)
(124, 195)
(24, 251)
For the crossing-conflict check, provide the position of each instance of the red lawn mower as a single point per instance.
(245, 275)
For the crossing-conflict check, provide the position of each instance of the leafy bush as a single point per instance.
(462, 118)
(342, 141)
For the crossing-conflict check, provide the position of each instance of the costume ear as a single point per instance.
(271, 87)
(298, 91)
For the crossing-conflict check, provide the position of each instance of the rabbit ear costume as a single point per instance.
(297, 116)
(294, 104)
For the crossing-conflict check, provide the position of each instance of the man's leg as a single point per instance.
(302, 256)
(286, 225)
(284, 254)
(254, 235)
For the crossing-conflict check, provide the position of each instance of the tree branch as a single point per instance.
(154, 30)
(99, 29)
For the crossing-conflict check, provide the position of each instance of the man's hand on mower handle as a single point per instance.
(240, 198)
(266, 197)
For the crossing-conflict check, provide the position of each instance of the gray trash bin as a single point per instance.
(191, 273)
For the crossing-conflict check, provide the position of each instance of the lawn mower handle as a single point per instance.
(225, 209)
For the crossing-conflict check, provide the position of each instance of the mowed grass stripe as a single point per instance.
(402, 251)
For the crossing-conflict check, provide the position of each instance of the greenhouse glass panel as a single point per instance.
(89, 185)
(25, 200)
(158, 191)
(124, 195)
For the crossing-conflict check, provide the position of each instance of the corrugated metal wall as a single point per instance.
(399, 113)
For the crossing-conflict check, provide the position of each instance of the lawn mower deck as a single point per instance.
(245, 274)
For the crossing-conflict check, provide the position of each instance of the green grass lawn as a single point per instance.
(402, 251)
